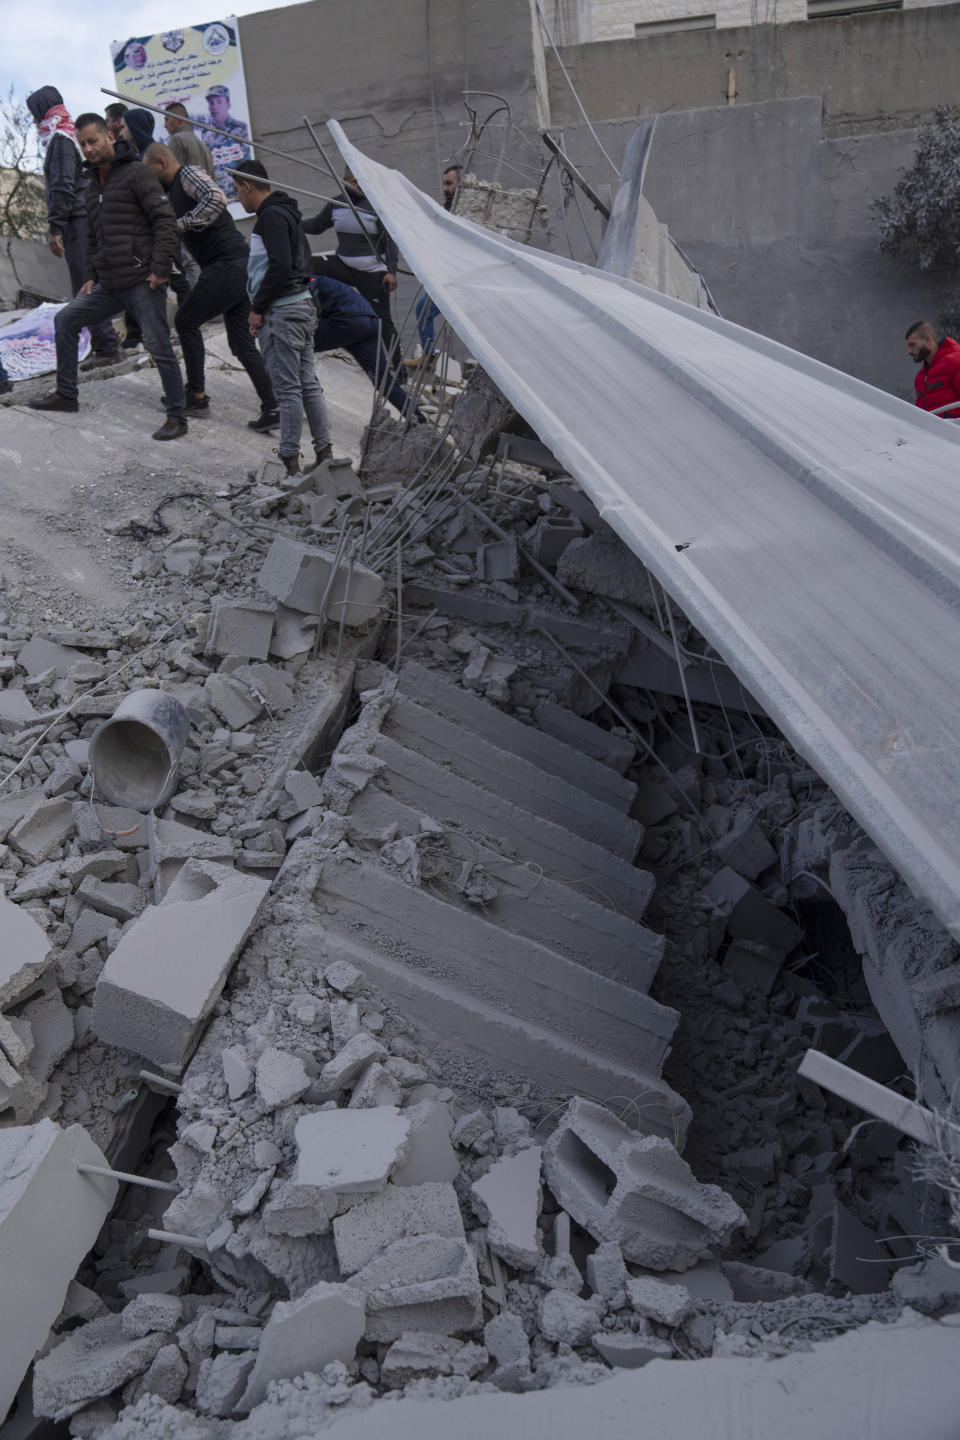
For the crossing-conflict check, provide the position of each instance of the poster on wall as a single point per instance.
(201, 67)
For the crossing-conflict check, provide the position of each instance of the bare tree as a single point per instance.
(23, 211)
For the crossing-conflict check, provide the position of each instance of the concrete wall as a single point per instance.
(777, 219)
(28, 265)
(874, 72)
(616, 19)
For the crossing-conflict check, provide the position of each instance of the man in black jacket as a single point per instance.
(63, 182)
(215, 243)
(132, 243)
(282, 312)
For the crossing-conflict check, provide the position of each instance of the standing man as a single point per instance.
(184, 142)
(220, 252)
(366, 256)
(427, 311)
(133, 240)
(228, 153)
(114, 114)
(283, 314)
(937, 382)
(133, 336)
(64, 184)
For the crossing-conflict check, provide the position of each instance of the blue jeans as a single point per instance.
(359, 336)
(286, 341)
(149, 307)
(427, 312)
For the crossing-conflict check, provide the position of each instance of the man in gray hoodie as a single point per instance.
(65, 184)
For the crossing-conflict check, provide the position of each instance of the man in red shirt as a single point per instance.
(937, 382)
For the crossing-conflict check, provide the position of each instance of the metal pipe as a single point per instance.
(126, 1179)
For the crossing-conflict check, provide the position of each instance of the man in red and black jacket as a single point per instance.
(937, 382)
(131, 244)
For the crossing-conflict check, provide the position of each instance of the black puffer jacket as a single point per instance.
(132, 230)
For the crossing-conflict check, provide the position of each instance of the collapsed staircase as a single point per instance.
(487, 887)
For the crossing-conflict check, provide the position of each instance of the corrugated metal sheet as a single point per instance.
(819, 518)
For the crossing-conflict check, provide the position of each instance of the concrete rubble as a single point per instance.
(456, 995)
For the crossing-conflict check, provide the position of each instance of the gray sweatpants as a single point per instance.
(286, 340)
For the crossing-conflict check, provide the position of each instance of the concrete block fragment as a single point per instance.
(121, 901)
(506, 1340)
(498, 560)
(550, 535)
(281, 1078)
(418, 1355)
(15, 710)
(667, 1304)
(428, 1283)
(323, 1325)
(39, 655)
(607, 1273)
(163, 979)
(236, 1072)
(51, 1026)
(303, 789)
(240, 627)
(507, 1200)
(50, 1215)
(43, 829)
(430, 1156)
(266, 683)
(299, 575)
(369, 1226)
(754, 965)
(752, 917)
(298, 1210)
(172, 843)
(146, 1314)
(375, 1087)
(221, 1381)
(165, 1377)
(291, 635)
(634, 1189)
(628, 1352)
(24, 952)
(233, 702)
(350, 1151)
(343, 977)
(745, 849)
(90, 929)
(91, 1362)
(350, 1062)
(566, 1319)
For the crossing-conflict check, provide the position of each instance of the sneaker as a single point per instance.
(53, 400)
(99, 362)
(266, 420)
(325, 454)
(171, 429)
(196, 404)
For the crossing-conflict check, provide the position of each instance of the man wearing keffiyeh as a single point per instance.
(64, 183)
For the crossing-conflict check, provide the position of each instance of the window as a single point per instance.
(836, 9)
(682, 22)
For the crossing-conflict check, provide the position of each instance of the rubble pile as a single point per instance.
(449, 1003)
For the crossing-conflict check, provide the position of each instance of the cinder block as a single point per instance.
(298, 576)
(24, 951)
(323, 1325)
(240, 627)
(166, 975)
(50, 1215)
(427, 1283)
(550, 536)
(635, 1189)
(172, 844)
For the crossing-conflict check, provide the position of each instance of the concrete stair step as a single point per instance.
(488, 965)
(528, 902)
(586, 867)
(518, 780)
(507, 733)
(503, 1045)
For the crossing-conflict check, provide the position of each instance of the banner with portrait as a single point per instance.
(201, 67)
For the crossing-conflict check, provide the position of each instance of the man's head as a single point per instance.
(93, 137)
(451, 184)
(162, 162)
(922, 342)
(175, 118)
(115, 114)
(253, 191)
(218, 103)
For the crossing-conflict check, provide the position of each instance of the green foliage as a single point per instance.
(23, 210)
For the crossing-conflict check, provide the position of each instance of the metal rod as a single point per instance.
(683, 678)
(258, 180)
(346, 194)
(877, 1100)
(161, 1082)
(571, 169)
(171, 1237)
(399, 602)
(127, 1179)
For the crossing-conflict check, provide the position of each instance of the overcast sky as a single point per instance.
(67, 42)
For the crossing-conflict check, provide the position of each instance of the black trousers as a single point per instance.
(74, 237)
(370, 285)
(221, 290)
(359, 336)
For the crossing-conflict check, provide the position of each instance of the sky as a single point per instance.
(66, 43)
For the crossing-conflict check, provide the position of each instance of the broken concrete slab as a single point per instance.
(565, 1319)
(233, 702)
(430, 1156)
(39, 655)
(751, 916)
(171, 844)
(281, 1078)
(351, 1152)
(299, 576)
(428, 1282)
(351, 1061)
(115, 898)
(50, 1215)
(667, 1304)
(24, 952)
(370, 1225)
(240, 627)
(51, 1026)
(324, 1324)
(90, 1362)
(165, 976)
(507, 1200)
(43, 829)
(635, 1189)
(418, 1355)
(15, 710)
